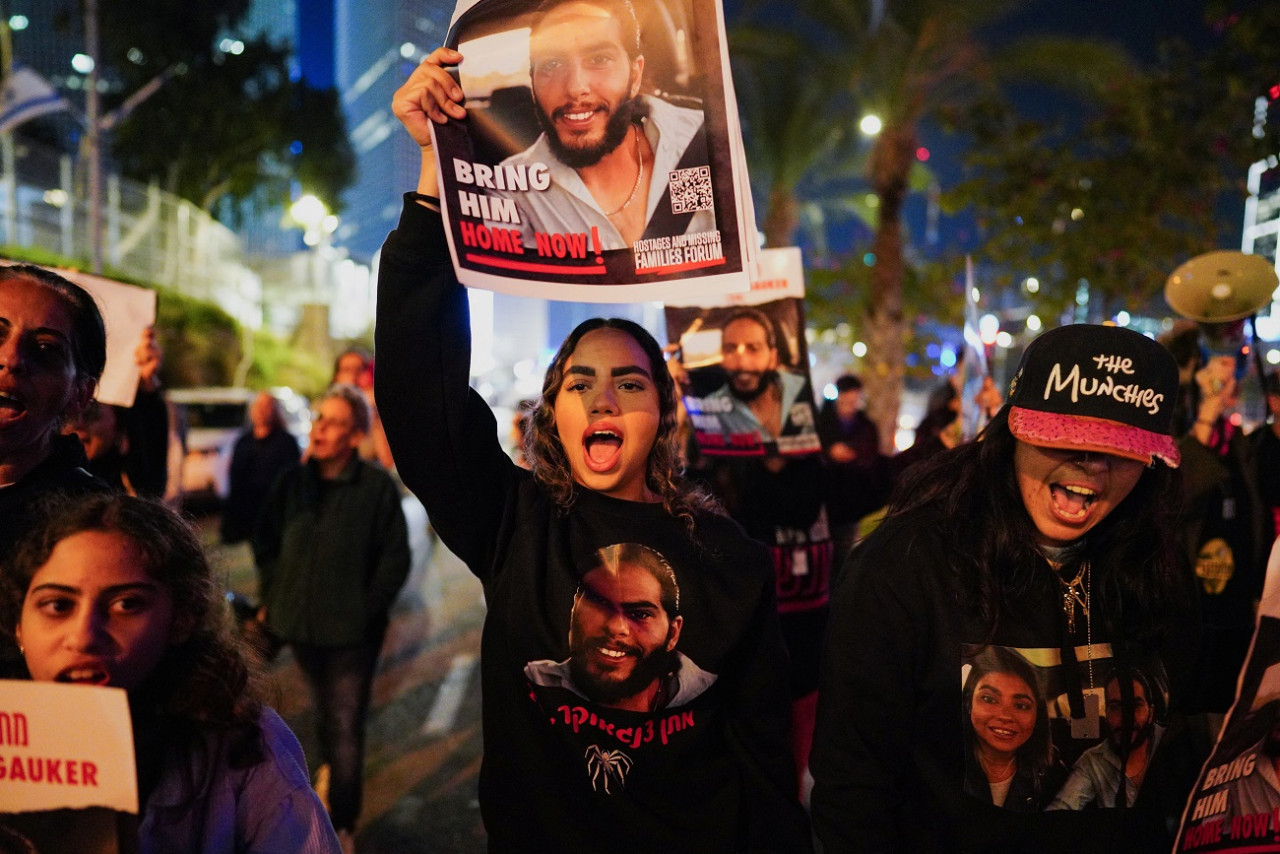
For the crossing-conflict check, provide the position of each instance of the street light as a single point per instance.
(870, 124)
(313, 215)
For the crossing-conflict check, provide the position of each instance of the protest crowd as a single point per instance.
(719, 617)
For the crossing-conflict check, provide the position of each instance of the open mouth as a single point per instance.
(613, 656)
(84, 676)
(1072, 502)
(577, 113)
(603, 449)
(10, 406)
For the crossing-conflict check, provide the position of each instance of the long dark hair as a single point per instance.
(204, 683)
(664, 473)
(1135, 554)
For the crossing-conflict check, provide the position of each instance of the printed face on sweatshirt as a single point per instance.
(1003, 714)
(622, 638)
(607, 414)
(624, 690)
(1044, 734)
(1067, 493)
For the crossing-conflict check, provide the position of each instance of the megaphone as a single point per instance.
(1219, 287)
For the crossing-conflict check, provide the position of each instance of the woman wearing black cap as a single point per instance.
(1051, 537)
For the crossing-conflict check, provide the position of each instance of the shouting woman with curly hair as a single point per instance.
(696, 759)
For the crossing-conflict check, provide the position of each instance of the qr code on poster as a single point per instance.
(691, 190)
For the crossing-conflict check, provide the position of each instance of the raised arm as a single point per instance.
(429, 95)
(442, 434)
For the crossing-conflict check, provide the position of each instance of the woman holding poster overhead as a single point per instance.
(634, 680)
(599, 148)
(1047, 543)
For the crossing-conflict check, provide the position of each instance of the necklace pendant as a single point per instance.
(1069, 606)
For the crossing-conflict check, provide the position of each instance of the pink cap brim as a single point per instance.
(1076, 432)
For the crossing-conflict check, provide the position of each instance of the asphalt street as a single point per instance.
(424, 745)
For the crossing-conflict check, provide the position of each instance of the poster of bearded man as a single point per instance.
(601, 157)
(743, 365)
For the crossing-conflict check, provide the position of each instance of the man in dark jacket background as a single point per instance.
(332, 551)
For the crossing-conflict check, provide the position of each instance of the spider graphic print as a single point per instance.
(606, 765)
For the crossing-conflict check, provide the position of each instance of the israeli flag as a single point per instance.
(25, 96)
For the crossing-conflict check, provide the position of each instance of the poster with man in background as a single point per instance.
(744, 366)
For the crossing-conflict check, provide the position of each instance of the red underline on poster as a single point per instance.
(680, 268)
(720, 452)
(1247, 849)
(527, 267)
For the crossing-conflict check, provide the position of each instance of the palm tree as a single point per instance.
(798, 139)
(912, 59)
(906, 62)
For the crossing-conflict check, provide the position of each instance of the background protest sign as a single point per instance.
(66, 767)
(520, 205)
(1235, 805)
(127, 310)
(728, 417)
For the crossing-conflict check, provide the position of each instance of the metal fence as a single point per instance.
(148, 235)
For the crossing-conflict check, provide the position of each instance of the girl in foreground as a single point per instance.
(115, 590)
(629, 704)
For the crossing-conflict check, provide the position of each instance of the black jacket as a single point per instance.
(63, 471)
(889, 750)
(709, 773)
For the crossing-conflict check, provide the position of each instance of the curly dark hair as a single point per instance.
(1140, 586)
(665, 475)
(207, 681)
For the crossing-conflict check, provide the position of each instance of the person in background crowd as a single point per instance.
(562, 772)
(97, 428)
(354, 366)
(332, 550)
(847, 433)
(128, 446)
(1265, 448)
(1225, 532)
(520, 431)
(263, 452)
(941, 418)
(1052, 535)
(782, 502)
(145, 425)
(860, 476)
(115, 590)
